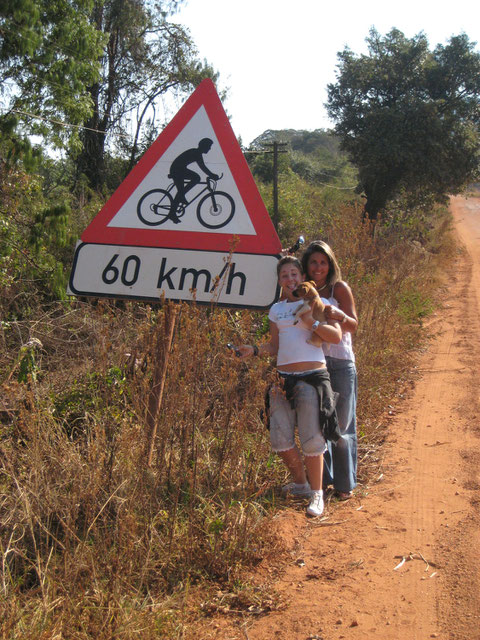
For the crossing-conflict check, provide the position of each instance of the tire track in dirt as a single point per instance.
(340, 580)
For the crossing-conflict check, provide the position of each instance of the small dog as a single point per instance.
(313, 302)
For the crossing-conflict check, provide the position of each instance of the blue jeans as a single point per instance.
(340, 460)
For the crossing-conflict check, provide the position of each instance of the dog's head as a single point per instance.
(306, 290)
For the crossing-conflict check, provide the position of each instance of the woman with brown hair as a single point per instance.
(340, 461)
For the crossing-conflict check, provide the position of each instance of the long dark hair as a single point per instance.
(318, 246)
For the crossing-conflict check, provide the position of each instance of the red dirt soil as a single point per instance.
(345, 576)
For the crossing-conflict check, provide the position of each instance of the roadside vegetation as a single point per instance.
(118, 521)
(96, 543)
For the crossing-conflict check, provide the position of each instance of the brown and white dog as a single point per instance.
(313, 302)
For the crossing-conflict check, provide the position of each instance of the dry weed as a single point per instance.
(100, 541)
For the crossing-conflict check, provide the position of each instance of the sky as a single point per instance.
(276, 57)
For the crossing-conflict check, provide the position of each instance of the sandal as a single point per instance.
(344, 495)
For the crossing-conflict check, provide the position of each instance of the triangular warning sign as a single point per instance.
(192, 189)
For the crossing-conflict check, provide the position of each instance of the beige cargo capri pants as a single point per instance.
(304, 415)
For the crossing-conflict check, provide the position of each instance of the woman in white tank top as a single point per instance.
(340, 461)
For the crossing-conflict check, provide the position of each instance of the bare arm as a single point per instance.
(267, 348)
(346, 313)
(330, 332)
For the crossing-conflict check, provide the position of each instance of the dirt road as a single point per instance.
(401, 561)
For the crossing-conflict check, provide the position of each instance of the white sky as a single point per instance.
(277, 56)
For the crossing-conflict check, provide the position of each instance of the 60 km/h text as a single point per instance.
(129, 272)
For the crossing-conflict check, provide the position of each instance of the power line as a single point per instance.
(63, 124)
(124, 135)
(326, 184)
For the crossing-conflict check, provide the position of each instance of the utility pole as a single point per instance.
(276, 149)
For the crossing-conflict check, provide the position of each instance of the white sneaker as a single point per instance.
(316, 506)
(295, 489)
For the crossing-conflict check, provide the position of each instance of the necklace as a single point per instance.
(321, 288)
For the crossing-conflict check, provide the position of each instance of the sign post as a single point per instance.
(187, 223)
(155, 397)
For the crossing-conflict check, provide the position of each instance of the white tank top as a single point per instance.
(292, 338)
(344, 349)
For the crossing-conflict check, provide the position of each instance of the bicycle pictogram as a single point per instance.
(214, 210)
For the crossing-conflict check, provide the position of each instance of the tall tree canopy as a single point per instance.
(49, 55)
(145, 56)
(101, 67)
(409, 118)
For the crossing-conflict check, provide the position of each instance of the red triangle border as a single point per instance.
(265, 241)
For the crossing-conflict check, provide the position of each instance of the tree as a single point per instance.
(407, 117)
(145, 56)
(48, 56)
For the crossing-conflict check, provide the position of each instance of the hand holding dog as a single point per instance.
(306, 315)
(334, 313)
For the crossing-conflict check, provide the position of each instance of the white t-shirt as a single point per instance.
(292, 338)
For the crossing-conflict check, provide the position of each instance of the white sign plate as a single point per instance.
(145, 273)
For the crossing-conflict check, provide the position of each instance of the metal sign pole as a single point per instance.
(163, 344)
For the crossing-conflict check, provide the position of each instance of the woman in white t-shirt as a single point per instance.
(306, 398)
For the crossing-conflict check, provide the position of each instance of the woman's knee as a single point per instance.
(314, 446)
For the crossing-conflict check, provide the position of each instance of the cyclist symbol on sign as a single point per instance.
(214, 210)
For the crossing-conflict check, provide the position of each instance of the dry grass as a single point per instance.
(91, 533)
(96, 543)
